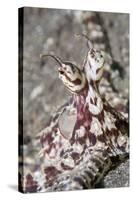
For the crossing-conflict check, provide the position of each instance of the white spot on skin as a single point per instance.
(95, 109)
(69, 162)
(77, 148)
(80, 132)
(121, 140)
(41, 153)
(96, 127)
(100, 145)
(109, 121)
(88, 142)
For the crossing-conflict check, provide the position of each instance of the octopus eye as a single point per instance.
(61, 72)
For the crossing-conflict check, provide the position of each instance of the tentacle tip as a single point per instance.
(53, 56)
(51, 53)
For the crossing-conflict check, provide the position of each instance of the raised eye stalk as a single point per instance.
(89, 43)
(58, 60)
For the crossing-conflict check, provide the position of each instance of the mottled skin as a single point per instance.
(84, 136)
(96, 32)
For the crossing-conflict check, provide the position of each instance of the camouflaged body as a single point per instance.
(77, 154)
(82, 158)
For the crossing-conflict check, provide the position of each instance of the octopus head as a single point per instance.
(72, 77)
(94, 62)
